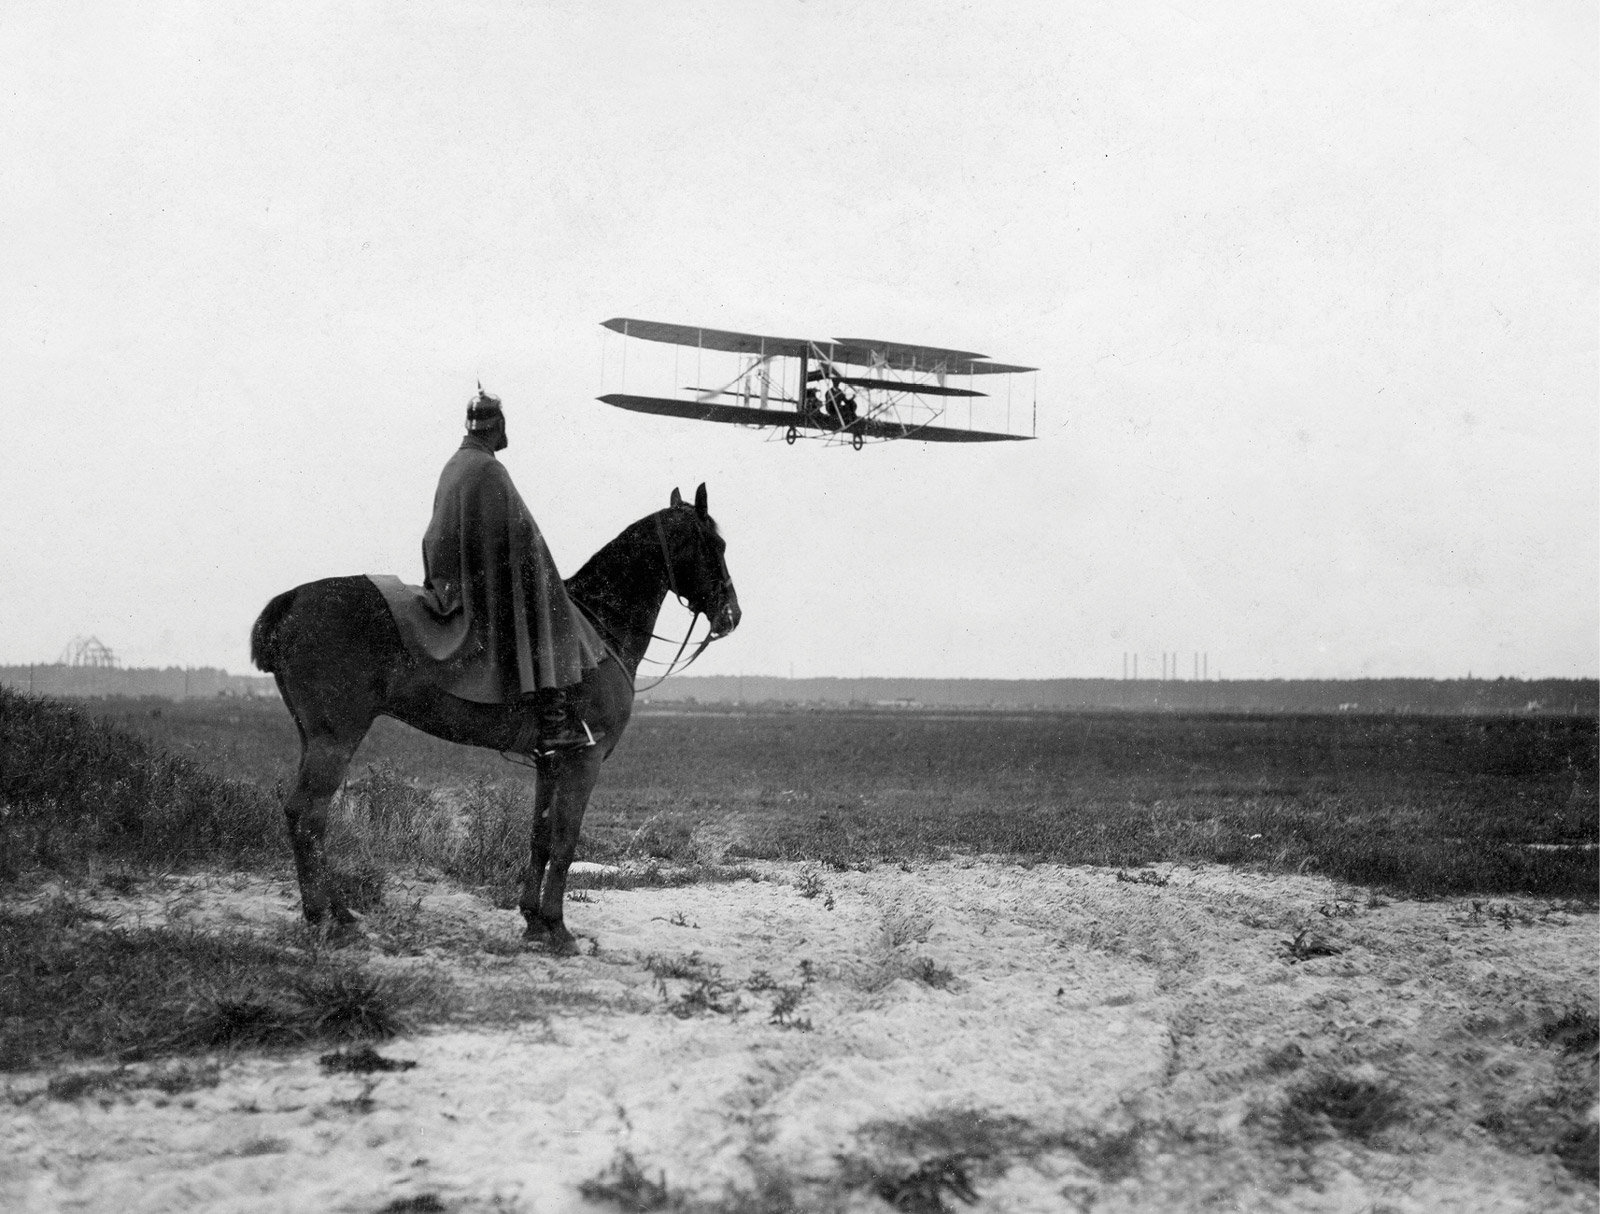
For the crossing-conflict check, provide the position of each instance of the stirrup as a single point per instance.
(574, 744)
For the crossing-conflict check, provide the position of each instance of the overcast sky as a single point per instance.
(1313, 288)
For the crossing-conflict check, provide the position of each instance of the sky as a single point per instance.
(1312, 289)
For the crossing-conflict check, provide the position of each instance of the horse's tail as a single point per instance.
(264, 634)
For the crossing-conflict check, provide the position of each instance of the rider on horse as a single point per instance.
(486, 567)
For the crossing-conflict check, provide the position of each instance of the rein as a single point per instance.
(666, 557)
(672, 666)
(672, 584)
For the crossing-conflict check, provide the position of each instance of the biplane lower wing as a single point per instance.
(740, 415)
(706, 411)
(874, 428)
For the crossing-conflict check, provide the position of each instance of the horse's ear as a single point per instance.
(677, 498)
(700, 500)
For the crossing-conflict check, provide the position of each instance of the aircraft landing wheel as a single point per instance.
(790, 435)
(856, 441)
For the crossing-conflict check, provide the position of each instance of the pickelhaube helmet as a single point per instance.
(483, 410)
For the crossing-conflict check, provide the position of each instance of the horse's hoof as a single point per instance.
(565, 945)
(336, 932)
(555, 940)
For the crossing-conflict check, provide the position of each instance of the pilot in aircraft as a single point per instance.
(841, 405)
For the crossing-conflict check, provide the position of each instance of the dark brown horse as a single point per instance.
(340, 664)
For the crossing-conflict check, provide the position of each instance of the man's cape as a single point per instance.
(493, 618)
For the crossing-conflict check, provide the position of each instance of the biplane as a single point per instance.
(849, 390)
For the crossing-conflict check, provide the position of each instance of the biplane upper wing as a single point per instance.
(897, 356)
(850, 351)
(705, 411)
(708, 339)
(864, 352)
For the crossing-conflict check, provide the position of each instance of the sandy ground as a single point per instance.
(1108, 1043)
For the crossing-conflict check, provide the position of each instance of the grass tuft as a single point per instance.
(787, 997)
(1306, 946)
(653, 876)
(246, 1022)
(1145, 876)
(348, 1004)
(96, 992)
(625, 1184)
(914, 1163)
(1338, 1104)
(705, 990)
(421, 1203)
(363, 1060)
(170, 1080)
(1575, 1031)
(930, 973)
(921, 1190)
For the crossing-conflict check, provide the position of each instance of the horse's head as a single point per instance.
(696, 569)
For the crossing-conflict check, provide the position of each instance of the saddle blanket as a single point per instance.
(434, 639)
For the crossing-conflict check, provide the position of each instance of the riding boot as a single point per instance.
(561, 727)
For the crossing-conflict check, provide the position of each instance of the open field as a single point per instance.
(1425, 805)
(844, 961)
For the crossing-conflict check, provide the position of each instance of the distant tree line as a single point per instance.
(172, 683)
(1496, 696)
(1450, 696)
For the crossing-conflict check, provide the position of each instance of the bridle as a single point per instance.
(672, 585)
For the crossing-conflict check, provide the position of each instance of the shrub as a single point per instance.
(72, 787)
(478, 835)
(496, 827)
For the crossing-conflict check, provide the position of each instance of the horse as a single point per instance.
(339, 663)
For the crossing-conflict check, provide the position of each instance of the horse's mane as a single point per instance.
(607, 572)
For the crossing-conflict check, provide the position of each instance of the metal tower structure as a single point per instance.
(88, 651)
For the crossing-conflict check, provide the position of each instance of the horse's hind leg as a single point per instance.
(324, 757)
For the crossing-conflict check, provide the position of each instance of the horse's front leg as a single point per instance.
(565, 782)
(539, 853)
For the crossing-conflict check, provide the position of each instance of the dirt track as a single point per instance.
(1073, 1038)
